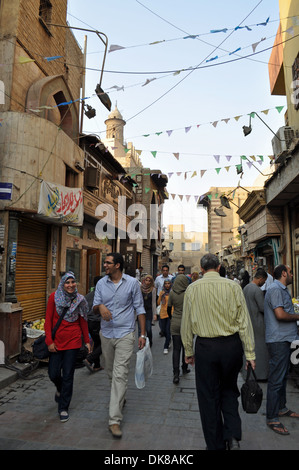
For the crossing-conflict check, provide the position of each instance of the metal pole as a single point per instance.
(83, 84)
(98, 33)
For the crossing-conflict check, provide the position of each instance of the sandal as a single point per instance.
(290, 414)
(278, 428)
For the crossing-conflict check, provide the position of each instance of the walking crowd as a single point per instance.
(216, 324)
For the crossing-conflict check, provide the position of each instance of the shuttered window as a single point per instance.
(31, 269)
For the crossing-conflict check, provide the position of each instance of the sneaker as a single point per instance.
(165, 351)
(64, 416)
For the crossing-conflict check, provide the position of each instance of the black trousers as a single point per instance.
(94, 331)
(218, 362)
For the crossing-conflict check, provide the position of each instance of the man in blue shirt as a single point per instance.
(280, 332)
(117, 298)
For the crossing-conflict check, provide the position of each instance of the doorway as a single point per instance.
(93, 267)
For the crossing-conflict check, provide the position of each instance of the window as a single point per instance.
(45, 14)
(76, 231)
(73, 262)
(71, 177)
(45, 10)
(195, 246)
(183, 246)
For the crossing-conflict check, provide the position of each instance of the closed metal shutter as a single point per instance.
(31, 269)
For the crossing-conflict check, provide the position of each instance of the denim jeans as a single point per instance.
(165, 327)
(178, 348)
(148, 329)
(279, 362)
(61, 372)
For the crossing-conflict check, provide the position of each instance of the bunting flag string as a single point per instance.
(238, 167)
(117, 47)
(213, 123)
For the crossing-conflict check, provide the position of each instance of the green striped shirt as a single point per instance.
(215, 306)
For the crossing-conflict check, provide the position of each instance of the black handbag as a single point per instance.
(39, 348)
(251, 393)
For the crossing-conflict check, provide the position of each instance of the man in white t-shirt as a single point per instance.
(165, 276)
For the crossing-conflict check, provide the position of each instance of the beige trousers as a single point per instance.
(117, 353)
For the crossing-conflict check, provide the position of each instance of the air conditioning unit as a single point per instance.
(282, 142)
(91, 177)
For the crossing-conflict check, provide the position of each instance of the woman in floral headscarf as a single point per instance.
(164, 318)
(149, 299)
(68, 338)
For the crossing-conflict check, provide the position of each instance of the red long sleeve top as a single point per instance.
(69, 334)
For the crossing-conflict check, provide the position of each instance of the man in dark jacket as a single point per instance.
(92, 361)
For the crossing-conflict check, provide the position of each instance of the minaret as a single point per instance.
(115, 127)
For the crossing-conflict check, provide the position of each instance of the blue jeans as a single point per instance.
(165, 327)
(279, 362)
(148, 329)
(61, 373)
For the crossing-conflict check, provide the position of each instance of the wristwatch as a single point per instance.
(143, 336)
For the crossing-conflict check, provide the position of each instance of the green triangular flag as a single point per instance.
(154, 153)
(147, 189)
(279, 108)
(218, 170)
(243, 157)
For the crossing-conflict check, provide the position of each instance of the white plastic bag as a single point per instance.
(144, 365)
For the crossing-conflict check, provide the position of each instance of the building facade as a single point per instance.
(271, 215)
(54, 180)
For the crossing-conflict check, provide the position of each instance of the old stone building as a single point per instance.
(52, 179)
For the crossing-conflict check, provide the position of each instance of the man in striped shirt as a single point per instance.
(215, 311)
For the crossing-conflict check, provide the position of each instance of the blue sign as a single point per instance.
(5, 190)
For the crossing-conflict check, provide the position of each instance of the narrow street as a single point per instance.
(160, 417)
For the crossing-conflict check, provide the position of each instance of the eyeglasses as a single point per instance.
(108, 262)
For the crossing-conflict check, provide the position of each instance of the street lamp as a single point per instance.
(103, 97)
(247, 129)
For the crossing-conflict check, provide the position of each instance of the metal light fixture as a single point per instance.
(247, 129)
(225, 202)
(104, 98)
(220, 212)
(91, 112)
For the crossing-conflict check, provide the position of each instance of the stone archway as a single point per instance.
(52, 96)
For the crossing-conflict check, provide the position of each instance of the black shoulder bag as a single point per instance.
(251, 393)
(39, 348)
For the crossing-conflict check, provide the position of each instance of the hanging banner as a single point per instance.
(61, 204)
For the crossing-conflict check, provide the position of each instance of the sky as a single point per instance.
(185, 81)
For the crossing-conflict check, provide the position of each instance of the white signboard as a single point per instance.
(62, 204)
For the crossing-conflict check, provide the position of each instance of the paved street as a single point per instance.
(160, 417)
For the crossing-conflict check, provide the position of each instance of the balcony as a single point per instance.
(275, 66)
